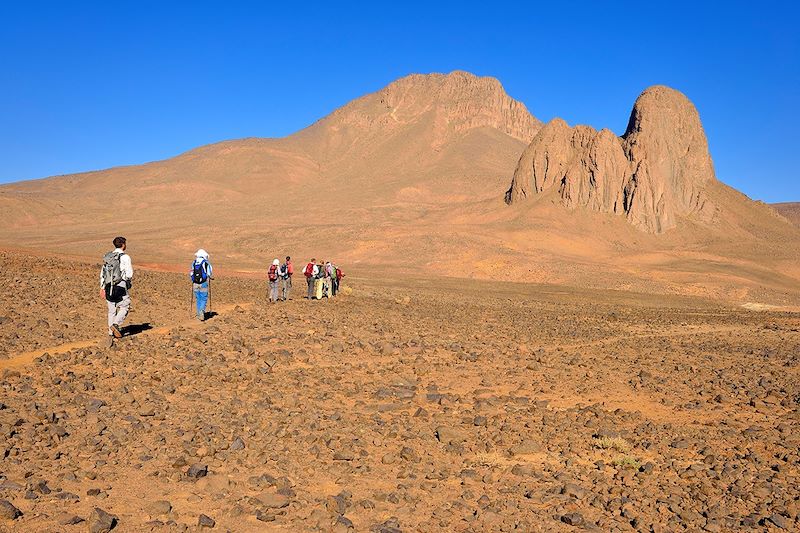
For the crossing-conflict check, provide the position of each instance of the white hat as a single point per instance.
(276, 262)
(202, 254)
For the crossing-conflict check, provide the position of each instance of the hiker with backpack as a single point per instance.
(116, 276)
(287, 270)
(334, 280)
(201, 274)
(327, 279)
(310, 272)
(272, 276)
(337, 277)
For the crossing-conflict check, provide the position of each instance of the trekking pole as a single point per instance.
(208, 302)
(191, 300)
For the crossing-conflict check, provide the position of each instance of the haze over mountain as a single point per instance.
(411, 178)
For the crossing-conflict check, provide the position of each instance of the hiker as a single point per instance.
(115, 280)
(200, 274)
(338, 277)
(287, 270)
(272, 276)
(334, 279)
(328, 280)
(310, 272)
(319, 284)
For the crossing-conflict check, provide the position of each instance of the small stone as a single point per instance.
(410, 455)
(389, 459)
(526, 447)
(574, 491)
(101, 522)
(159, 507)
(197, 471)
(572, 519)
(484, 502)
(448, 435)
(10, 485)
(237, 444)
(779, 521)
(272, 500)
(343, 455)
(8, 511)
(67, 519)
(206, 521)
(646, 468)
(343, 524)
(41, 487)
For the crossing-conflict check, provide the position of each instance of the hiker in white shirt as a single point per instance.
(115, 280)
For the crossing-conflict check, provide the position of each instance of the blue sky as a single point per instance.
(94, 85)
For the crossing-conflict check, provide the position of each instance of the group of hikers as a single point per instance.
(116, 276)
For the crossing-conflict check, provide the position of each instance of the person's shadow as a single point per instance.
(211, 314)
(135, 329)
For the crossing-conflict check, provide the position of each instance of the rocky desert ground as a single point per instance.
(403, 405)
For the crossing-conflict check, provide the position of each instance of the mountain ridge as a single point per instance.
(408, 178)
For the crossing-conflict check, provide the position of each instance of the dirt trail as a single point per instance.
(27, 358)
(702, 330)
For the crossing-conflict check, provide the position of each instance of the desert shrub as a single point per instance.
(613, 443)
(626, 461)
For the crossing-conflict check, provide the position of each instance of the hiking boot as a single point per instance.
(109, 341)
(115, 331)
(201, 317)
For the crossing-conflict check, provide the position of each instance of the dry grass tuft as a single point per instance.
(626, 461)
(616, 443)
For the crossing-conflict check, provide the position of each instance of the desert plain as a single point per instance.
(542, 328)
(400, 405)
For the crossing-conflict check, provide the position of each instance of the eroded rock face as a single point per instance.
(653, 174)
(455, 103)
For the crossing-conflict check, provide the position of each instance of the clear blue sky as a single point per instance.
(90, 85)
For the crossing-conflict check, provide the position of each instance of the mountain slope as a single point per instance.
(410, 180)
(790, 210)
(424, 142)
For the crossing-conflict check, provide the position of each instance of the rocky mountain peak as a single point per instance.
(452, 104)
(653, 174)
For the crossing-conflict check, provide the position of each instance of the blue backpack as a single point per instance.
(199, 274)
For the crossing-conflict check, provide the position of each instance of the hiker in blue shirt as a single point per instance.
(200, 274)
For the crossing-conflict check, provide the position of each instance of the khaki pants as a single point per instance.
(117, 311)
(273, 290)
(286, 287)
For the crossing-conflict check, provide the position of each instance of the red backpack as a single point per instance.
(309, 270)
(273, 273)
(289, 268)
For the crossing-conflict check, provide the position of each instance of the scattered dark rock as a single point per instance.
(100, 521)
(206, 521)
(196, 471)
(8, 511)
(572, 519)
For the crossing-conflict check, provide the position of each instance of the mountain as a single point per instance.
(653, 174)
(409, 181)
(423, 143)
(790, 210)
